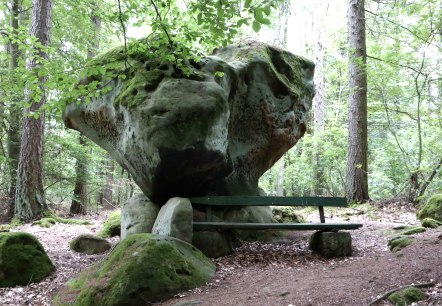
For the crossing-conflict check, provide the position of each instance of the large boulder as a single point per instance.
(175, 220)
(432, 208)
(138, 215)
(23, 260)
(143, 269)
(214, 129)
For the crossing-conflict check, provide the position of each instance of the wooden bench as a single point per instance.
(210, 202)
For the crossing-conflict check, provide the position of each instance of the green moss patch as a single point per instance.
(407, 296)
(143, 269)
(287, 214)
(112, 226)
(413, 230)
(51, 219)
(432, 209)
(430, 223)
(23, 260)
(399, 242)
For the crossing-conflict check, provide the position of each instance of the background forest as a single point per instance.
(404, 86)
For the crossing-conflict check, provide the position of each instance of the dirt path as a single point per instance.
(283, 273)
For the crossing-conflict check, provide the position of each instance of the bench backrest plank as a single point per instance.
(269, 201)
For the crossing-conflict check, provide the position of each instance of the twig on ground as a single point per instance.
(397, 289)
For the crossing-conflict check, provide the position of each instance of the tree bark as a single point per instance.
(356, 185)
(29, 198)
(108, 188)
(15, 113)
(319, 99)
(80, 197)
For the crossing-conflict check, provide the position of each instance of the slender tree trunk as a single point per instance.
(15, 113)
(319, 99)
(356, 175)
(108, 188)
(29, 198)
(80, 198)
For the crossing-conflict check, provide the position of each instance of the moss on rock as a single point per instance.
(51, 219)
(432, 208)
(23, 260)
(399, 242)
(406, 296)
(413, 230)
(286, 214)
(142, 269)
(89, 244)
(430, 223)
(112, 226)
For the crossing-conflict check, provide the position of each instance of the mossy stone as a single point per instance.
(413, 230)
(49, 219)
(406, 296)
(430, 223)
(399, 242)
(23, 260)
(112, 225)
(143, 269)
(432, 208)
(286, 214)
(45, 222)
(89, 244)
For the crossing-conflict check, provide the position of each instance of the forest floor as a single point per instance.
(284, 272)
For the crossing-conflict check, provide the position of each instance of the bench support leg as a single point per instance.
(321, 214)
(331, 244)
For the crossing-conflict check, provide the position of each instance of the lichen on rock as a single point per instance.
(142, 269)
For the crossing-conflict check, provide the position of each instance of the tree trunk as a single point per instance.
(108, 188)
(319, 99)
(80, 198)
(29, 198)
(356, 184)
(15, 113)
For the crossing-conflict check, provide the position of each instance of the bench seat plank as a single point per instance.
(269, 201)
(280, 226)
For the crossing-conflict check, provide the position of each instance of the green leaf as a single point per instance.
(256, 26)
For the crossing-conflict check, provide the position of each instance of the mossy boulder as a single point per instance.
(196, 133)
(407, 296)
(430, 223)
(142, 269)
(399, 242)
(412, 230)
(23, 260)
(89, 244)
(112, 225)
(431, 209)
